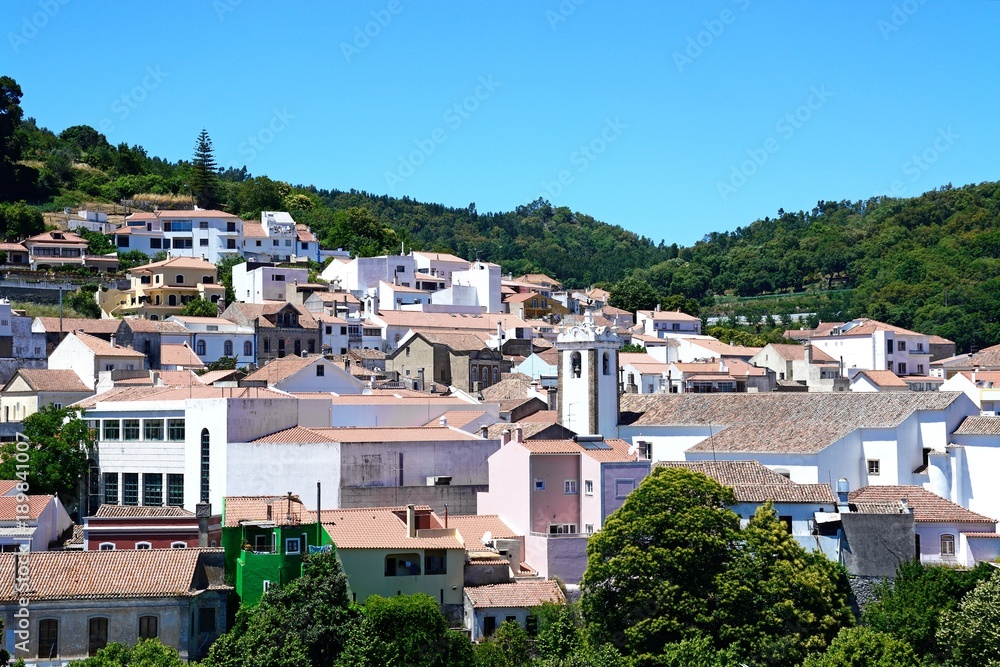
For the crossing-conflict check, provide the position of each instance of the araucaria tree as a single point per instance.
(672, 571)
(205, 173)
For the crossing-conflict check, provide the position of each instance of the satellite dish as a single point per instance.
(632, 449)
(487, 537)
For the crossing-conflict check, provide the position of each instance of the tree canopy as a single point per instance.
(145, 653)
(205, 173)
(198, 307)
(970, 633)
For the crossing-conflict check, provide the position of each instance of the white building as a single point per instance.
(362, 274)
(876, 346)
(211, 235)
(212, 338)
(666, 323)
(439, 264)
(256, 282)
(88, 355)
(588, 378)
(485, 278)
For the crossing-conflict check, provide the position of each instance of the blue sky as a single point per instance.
(671, 119)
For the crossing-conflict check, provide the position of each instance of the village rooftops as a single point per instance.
(804, 423)
(886, 379)
(790, 352)
(67, 324)
(116, 574)
(523, 594)
(10, 512)
(511, 386)
(979, 426)
(166, 394)
(284, 510)
(103, 348)
(385, 528)
(473, 526)
(177, 263)
(50, 379)
(140, 512)
(927, 506)
(864, 327)
(300, 434)
(450, 321)
(754, 483)
(609, 450)
(668, 316)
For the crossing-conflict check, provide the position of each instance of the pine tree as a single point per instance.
(204, 181)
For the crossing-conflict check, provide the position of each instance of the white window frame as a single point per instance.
(951, 541)
(570, 487)
(106, 546)
(178, 545)
(874, 470)
(564, 529)
(298, 546)
(266, 585)
(143, 545)
(539, 485)
(588, 528)
(588, 487)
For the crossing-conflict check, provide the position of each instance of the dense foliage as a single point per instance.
(861, 647)
(54, 459)
(970, 634)
(671, 569)
(145, 653)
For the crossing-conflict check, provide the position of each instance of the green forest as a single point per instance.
(929, 263)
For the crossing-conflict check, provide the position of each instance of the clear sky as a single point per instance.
(671, 119)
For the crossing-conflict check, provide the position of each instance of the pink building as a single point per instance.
(557, 492)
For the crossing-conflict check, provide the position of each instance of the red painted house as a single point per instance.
(133, 527)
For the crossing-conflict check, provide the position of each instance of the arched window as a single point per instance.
(576, 363)
(227, 348)
(947, 544)
(178, 545)
(215, 298)
(496, 375)
(199, 348)
(143, 545)
(172, 300)
(248, 349)
(180, 279)
(157, 301)
(475, 374)
(107, 546)
(606, 364)
(205, 451)
(154, 317)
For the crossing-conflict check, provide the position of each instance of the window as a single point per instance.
(175, 490)
(111, 488)
(588, 528)
(435, 562)
(569, 487)
(293, 546)
(153, 429)
(203, 224)
(142, 546)
(130, 488)
(281, 348)
(400, 268)
(148, 627)
(152, 489)
(320, 370)
(278, 277)
(206, 619)
(230, 244)
(874, 467)
(947, 544)
(902, 369)
(178, 545)
(264, 543)
(588, 487)
(48, 638)
(98, 635)
(265, 585)
(575, 363)
(112, 429)
(900, 345)
(267, 345)
(402, 565)
(205, 460)
(130, 428)
(227, 348)
(172, 300)
(247, 349)
(606, 364)
(562, 529)
(920, 369)
(539, 485)
(623, 487)
(199, 348)
(203, 242)
(175, 430)
(179, 279)
(489, 625)
(107, 546)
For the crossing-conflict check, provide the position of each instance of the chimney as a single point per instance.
(112, 340)
(807, 352)
(443, 421)
(553, 396)
(505, 437)
(518, 434)
(411, 521)
(204, 512)
(483, 431)
(420, 379)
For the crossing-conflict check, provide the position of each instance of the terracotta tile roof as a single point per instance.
(180, 378)
(450, 321)
(724, 349)
(528, 429)
(538, 279)
(178, 263)
(58, 237)
(179, 355)
(299, 434)
(510, 387)
(253, 230)
(284, 511)
(457, 418)
(927, 506)
(36, 505)
(277, 370)
(366, 354)
(865, 327)
(778, 422)
(440, 256)
(979, 426)
(790, 352)
(334, 297)
(473, 526)
(541, 417)
(12, 247)
(182, 215)
(141, 325)
(7, 485)
(103, 348)
(50, 379)
(104, 326)
(519, 594)
(883, 378)
(384, 528)
(457, 342)
(974, 535)
(62, 575)
(668, 316)
(612, 450)
(988, 357)
(755, 483)
(389, 399)
(137, 512)
(160, 394)
(304, 234)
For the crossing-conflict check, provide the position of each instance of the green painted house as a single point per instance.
(264, 538)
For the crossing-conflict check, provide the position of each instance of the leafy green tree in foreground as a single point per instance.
(18, 220)
(198, 307)
(59, 441)
(405, 630)
(304, 623)
(861, 647)
(671, 569)
(910, 606)
(146, 653)
(508, 647)
(970, 634)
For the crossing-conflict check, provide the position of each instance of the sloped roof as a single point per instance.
(103, 326)
(457, 418)
(864, 326)
(284, 510)
(791, 352)
(450, 321)
(510, 387)
(616, 451)
(781, 421)
(56, 236)
(753, 482)
(927, 506)
(473, 526)
(300, 434)
(253, 230)
(520, 594)
(117, 574)
(282, 368)
(160, 394)
(439, 256)
(723, 349)
(36, 505)
(103, 348)
(979, 426)
(138, 512)
(883, 378)
(382, 528)
(178, 263)
(50, 379)
(456, 342)
(179, 355)
(142, 325)
(668, 316)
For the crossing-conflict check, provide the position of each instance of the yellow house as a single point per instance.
(391, 551)
(162, 289)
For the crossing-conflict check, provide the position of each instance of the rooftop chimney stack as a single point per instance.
(483, 431)
(505, 437)
(411, 521)
(807, 352)
(518, 434)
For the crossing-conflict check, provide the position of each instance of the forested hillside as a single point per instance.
(930, 263)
